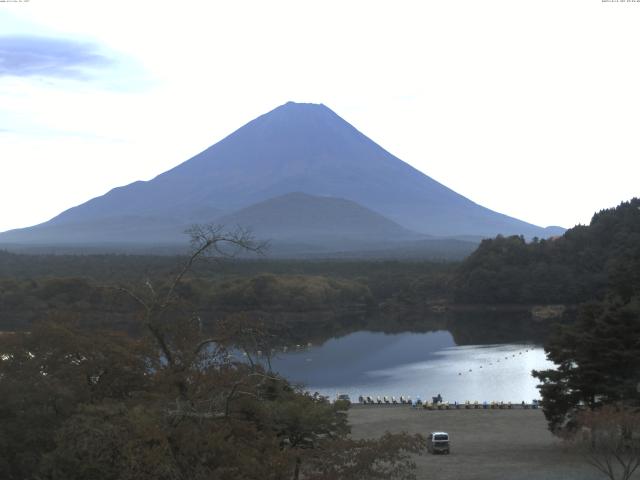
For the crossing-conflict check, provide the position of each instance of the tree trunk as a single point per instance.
(296, 472)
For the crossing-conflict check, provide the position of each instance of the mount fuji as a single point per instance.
(297, 174)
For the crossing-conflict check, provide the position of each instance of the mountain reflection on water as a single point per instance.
(415, 364)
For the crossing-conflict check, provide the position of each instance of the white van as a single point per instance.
(438, 442)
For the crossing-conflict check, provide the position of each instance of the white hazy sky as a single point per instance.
(531, 108)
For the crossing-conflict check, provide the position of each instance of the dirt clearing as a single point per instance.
(485, 444)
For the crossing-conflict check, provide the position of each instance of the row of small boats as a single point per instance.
(438, 404)
(386, 400)
(477, 405)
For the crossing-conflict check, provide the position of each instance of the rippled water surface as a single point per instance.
(416, 365)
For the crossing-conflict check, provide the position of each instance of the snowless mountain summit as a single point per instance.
(297, 147)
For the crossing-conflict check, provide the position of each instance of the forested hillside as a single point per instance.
(37, 287)
(579, 266)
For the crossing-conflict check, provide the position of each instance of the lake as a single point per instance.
(416, 365)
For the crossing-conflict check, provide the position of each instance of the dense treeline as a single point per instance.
(39, 287)
(23, 302)
(579, 266)
(290, 292)
(384, 274)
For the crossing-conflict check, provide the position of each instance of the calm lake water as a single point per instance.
(416, 365)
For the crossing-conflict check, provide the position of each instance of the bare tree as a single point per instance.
(609, 438)
(182, 342)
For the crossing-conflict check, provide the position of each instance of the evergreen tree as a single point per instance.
(598, 362)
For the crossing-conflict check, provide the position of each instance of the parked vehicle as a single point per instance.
(344, 398)
(438, 442)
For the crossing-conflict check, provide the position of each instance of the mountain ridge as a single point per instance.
(296, 147)
(300, 215)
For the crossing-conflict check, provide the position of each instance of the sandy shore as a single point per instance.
(485, 444)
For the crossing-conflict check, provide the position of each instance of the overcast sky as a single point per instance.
(530, 108)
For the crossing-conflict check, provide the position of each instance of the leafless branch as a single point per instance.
(210, 237)
(610, 440)
(134, 297)
(203, 344)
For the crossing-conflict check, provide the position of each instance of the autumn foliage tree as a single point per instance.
(172, 403)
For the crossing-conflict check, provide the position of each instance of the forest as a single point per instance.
(580, 266)
(33, 287)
